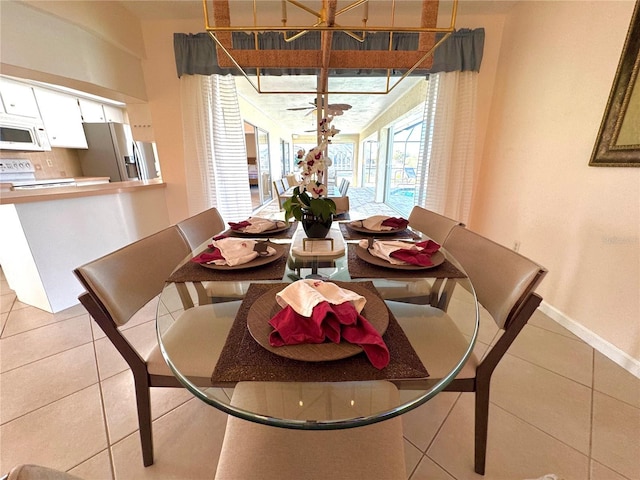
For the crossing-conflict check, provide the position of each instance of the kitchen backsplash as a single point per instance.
(58, 163)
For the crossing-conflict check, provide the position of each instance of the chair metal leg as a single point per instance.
(185, 297)
(143, 402)
(481, 426)
(442, 296)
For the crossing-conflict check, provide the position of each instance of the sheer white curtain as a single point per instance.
(447, 160)
(214, 146)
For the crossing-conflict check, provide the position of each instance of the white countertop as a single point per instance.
(59, 193)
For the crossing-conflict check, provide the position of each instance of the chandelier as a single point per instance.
(326, 17)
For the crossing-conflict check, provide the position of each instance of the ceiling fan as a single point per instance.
(333, 109)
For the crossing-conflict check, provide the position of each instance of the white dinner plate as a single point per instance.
(374, 232)
(266, 232)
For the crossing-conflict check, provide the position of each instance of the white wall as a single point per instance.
(42, 46)
(555, 71)
(163, 90)
(258, 119)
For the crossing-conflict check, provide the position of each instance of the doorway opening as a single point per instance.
(258, 164)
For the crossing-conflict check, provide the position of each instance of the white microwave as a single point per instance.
(22, 133)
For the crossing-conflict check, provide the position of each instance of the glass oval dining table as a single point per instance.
(214, 331)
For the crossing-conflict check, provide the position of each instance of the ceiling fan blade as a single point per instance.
(339, 106)
(301, 108)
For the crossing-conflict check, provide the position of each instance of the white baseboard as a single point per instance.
(626, 361)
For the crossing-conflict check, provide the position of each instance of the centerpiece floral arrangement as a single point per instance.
(309, 199)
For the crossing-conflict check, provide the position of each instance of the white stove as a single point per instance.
(22, 174)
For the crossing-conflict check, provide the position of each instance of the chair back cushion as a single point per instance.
(127, 279)
(342, 204)
(278, 186)
(291, 180)
(437, 227)
(38, 472)
(254, 451)
(201, 227)
(501, 277)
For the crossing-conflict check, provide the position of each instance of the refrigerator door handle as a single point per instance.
(137, 156)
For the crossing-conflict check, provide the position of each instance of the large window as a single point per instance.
(285, 157)
(370, 162)
(406, 140)
(341, 155)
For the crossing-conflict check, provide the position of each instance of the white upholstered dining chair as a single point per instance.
(120, 284)
(427, 291)
(504, 282)
(435, 226)
(201, 227)
(197, 230)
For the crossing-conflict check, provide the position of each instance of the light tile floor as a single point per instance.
(361, 205)
(66, 401)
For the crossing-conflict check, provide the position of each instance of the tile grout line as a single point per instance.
(548, 370)
(102, 405)
(45, 357)
(571, 336)
(541, 430)
(426, 451)
(592, 387)
(39, 326)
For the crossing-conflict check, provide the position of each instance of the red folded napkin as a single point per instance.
(331, 322)
(421, 257)
(395, 222)
(206, 257)
(239, 225)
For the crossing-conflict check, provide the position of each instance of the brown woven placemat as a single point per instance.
(288, 233)
(194, 272)
(358, 268)
(349, 234)
(243, 359)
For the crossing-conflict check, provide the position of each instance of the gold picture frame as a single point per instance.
(618, 141)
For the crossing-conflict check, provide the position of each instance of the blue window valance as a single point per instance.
(196, 53)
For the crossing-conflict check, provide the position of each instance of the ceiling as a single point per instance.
(188, 9)
(365, 108)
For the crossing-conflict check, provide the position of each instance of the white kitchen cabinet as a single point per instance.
(62, 119)
(92, 112)
(113, 114)
(96, 112)
(18, 98)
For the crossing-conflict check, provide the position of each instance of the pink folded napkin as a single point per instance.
(314, 311)
(395, 223)
(232, 251)
(239, 225)
(420, 256)
(332, 322)
(398, 252)
(381, 223)
(257, 225)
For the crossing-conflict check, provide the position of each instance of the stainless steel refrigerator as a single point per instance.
(146, 157)
(111, 152)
